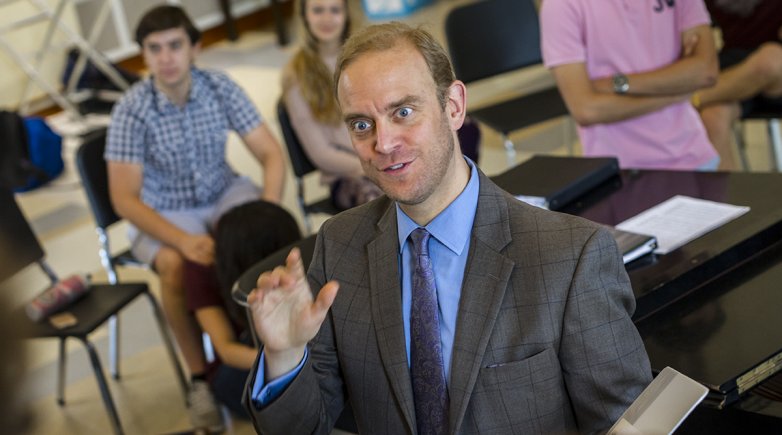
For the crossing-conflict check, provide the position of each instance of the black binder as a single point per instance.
(555, 181)
(632, 245)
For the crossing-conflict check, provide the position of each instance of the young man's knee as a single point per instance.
(767, 61)
(169, 263)
(719, 117)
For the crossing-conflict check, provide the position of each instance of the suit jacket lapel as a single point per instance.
(386, 304)
(483, 289)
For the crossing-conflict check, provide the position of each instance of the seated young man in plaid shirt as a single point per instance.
(168, 174)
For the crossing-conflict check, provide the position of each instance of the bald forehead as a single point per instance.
(405, 49)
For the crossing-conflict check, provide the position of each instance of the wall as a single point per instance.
(115, 39)
(27, 41)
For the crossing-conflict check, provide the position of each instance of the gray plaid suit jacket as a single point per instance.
(544, 342)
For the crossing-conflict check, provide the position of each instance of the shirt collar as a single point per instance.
(195, 94)
(452, 227)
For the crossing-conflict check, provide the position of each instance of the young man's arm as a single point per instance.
(125, 181)
(589, 106)
(696, 69)
(594, 101)
(267, 151)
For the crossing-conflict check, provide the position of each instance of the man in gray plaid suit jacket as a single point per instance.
(534, 306)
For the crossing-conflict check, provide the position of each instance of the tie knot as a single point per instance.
(420, 238)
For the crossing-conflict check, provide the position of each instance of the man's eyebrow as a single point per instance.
(347, 118)
(404, 101)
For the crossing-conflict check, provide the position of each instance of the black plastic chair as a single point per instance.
(92, 170)
(101, 302)
(492, 37)
(301, 166)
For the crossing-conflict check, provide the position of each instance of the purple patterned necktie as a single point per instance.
(426, 354)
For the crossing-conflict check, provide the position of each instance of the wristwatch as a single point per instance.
(621, 84)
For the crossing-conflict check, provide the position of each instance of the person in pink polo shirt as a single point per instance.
(626, 70)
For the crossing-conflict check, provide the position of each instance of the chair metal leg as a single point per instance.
(775, 139)
(168, 342)
(510, 150)
(61, 373)
(103, 386)
(741, 144)
(303, 205)
(307, 221)
(114, 346)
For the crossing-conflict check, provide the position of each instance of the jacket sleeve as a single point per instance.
(602, 355)
(314, 400)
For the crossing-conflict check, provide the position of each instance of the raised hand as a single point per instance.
(285, 314)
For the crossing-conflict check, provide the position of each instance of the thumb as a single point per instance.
(325, 298)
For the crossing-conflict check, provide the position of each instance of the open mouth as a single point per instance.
(396, 167)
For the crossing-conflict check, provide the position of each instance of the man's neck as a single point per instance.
(179, 93)
(454, 182)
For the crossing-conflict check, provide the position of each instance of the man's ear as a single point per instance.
(456, 104)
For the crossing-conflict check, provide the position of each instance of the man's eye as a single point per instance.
(405, 112)
(360, 126)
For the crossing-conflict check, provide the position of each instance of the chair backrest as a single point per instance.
(299, 160)
(94, 177)
(247, 281)
(19, 247)
(491, 37)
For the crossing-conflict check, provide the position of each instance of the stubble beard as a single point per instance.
(431, 178)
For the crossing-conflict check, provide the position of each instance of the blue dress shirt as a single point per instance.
(448, 249)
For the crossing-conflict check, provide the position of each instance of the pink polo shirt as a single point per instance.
(630, 36)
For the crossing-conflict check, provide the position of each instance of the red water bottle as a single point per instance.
(57, 297)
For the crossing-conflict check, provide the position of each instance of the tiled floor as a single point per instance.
(147, 396)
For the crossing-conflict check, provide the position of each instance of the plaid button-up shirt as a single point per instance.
(182, 149)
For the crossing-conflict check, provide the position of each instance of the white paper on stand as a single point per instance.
(681, 219)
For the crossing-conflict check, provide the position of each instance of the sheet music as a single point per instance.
(681, 219)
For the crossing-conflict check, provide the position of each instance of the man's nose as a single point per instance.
(387, 138)
(165, 55)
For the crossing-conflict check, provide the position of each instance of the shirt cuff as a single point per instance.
(264, 394)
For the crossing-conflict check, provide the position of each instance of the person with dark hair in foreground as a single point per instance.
(446, 305)
(168, 173)
(244, 235)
